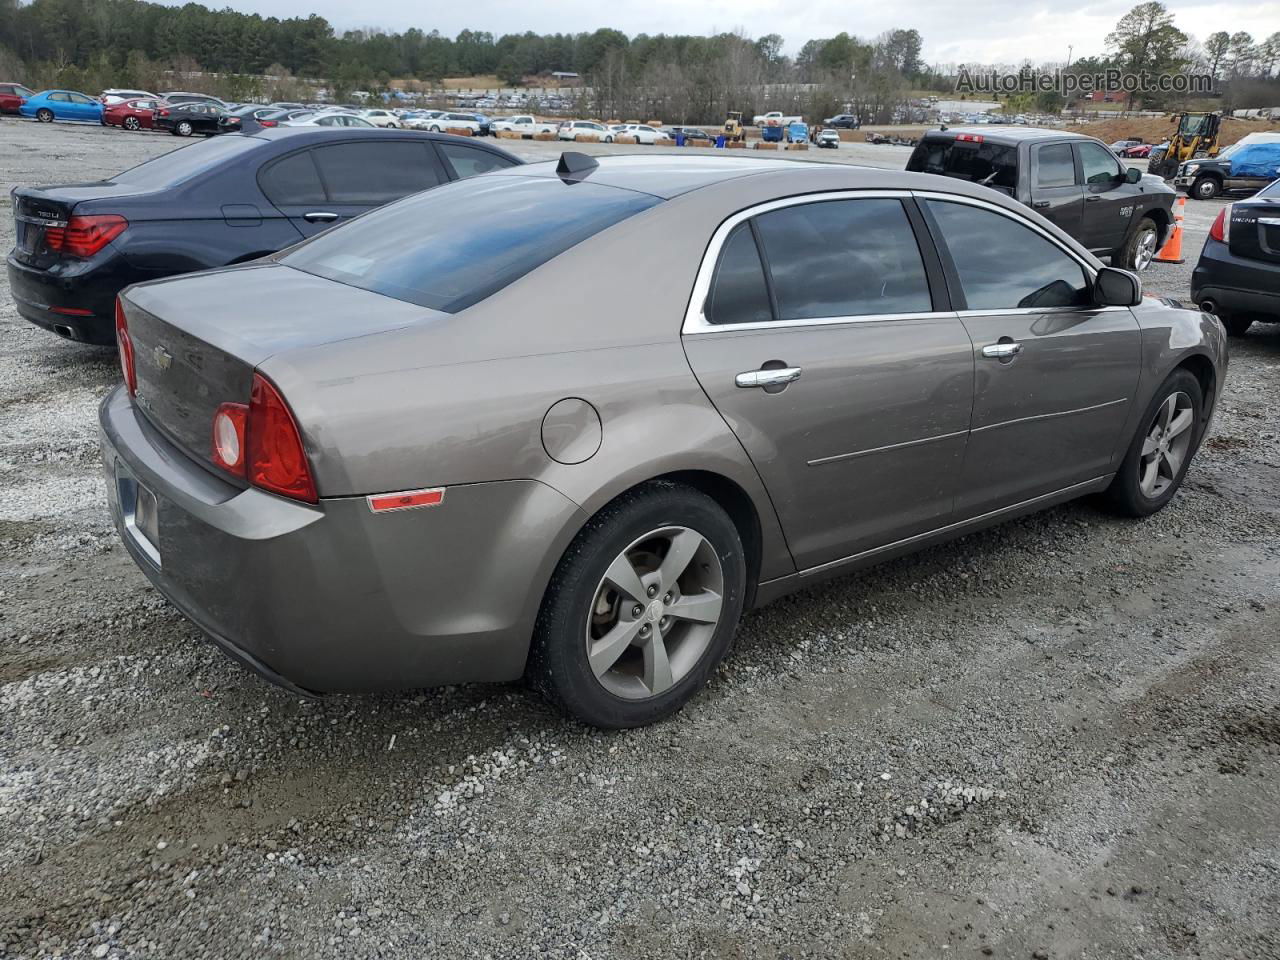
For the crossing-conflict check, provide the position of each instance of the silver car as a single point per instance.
(398, 455)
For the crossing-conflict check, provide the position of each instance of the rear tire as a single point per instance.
(1205, 188)
(1141, 247)
(1161, 450)
(1236, 326)
(659, 657)
(132, 123)
(44, 115)
(184, 128)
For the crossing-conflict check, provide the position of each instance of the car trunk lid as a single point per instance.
(38, 210)
(1255, 229)
(198, 339)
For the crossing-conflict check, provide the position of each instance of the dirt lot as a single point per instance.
(1158, 129)
(1059, 738)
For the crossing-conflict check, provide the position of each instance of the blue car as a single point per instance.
(54, 105)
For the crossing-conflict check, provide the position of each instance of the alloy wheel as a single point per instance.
(1146, 250)
(1167, 443)
(655, 612)
(131, 123)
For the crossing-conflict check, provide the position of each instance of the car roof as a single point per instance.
(302, 135)
(1011, 133)
(670, 176)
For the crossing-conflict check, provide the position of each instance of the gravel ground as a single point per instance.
(1057, 738)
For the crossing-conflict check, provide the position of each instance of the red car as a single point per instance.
(132, 114)
(12, 96)
(1136, 151)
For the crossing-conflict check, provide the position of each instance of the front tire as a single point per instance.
(641, 609)
(1141, 247)
(1161, 451)
(44, 115)
(1206, 188)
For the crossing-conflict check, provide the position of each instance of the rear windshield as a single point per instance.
(453, 246)
(994, 164)
(171, 169)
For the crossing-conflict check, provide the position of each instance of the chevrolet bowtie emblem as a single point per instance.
(162, 357)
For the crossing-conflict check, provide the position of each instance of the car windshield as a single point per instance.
(170, 169)
(456, 245)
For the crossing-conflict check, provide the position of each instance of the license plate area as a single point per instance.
(139, 510)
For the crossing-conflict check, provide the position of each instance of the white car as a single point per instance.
(456, 121)
(420, 119)
(572, 129)
(773, 118)
(829, 138)
(113, 95)
(328, 119)
(645, 134)
(524, 124)
(381, 118)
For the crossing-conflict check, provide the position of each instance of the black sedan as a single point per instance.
(184, 119)
(224, 201)
(1238, 275)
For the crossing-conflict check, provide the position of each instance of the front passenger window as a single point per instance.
(1100, 165)
(1004, 265)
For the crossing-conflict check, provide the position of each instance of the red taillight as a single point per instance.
(85, 236)
(275, 459)
(125, 344)
(267, 123)
(1221, 229)
(228, 437)
(162, 113)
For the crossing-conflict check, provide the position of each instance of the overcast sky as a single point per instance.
(985, 31)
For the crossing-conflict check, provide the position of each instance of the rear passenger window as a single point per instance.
(1004, 265)
(470, 161)
(376, 172)
(843, 258)
(738, 292)
(1055, 166)
(292, 181)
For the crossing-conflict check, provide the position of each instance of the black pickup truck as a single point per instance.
(1073, 180)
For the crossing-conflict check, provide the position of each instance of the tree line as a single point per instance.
(92, 44)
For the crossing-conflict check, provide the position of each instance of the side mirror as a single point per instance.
(1132, 175)
(1116, 288)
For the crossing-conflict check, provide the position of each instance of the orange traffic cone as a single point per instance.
(1171, 252)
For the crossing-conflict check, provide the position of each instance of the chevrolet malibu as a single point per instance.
(401, 456)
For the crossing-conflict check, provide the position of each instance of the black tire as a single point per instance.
(44, 115)
(183, 128)
(1129, 254)
(1236, 326)
(1205, 188)
(132, 123)
(558, 664)
(1125, 495)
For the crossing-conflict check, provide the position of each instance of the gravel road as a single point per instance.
(1059, 738)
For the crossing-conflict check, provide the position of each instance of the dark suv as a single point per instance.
(216, 202)
(1073, 180)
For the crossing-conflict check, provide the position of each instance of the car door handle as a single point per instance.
(1040, 204)
(1093, 199)
(1001, 351)
(768, 378)
(320, 216)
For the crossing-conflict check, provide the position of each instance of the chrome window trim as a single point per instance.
(695, 321)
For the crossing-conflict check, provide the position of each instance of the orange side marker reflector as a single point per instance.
(405, 500)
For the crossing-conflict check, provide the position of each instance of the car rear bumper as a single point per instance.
(1235, 284)
(44, 296)
(334, 598)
